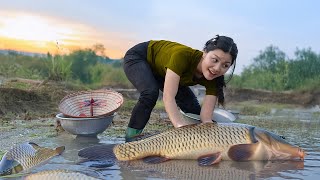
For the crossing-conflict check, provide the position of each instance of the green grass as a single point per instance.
(115, 132)
(256, 108)
(128, 104)
(7, 116)
(20, 85)
(316, 115)
(159, 105)
(245, 108)
(1, 154)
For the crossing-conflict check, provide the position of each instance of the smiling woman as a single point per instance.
(172, 67)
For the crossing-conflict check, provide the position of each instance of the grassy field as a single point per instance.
(28, 99)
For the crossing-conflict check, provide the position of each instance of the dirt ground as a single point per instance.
(28, 109)
(39, 99)
(28, 99)
(304, 99)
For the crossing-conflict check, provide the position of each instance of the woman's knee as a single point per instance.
(150, 96)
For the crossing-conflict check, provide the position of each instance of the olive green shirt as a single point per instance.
(181, 59)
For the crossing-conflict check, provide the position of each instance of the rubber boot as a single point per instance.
(131, 133)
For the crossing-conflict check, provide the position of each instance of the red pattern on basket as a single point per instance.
(93, 102)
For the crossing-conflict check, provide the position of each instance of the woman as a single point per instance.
(172, 67)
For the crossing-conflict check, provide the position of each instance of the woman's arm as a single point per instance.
(171, 85)
(207, 108)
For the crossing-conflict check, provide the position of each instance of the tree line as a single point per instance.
(273, 70)
(270, 70)
(83, 67)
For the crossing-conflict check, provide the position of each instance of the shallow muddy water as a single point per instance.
(299, 127)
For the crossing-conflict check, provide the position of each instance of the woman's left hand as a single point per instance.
(207, 121)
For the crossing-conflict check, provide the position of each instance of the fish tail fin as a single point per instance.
(98, 152)
(60, 149)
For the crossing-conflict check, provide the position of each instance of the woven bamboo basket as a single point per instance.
(91, 103)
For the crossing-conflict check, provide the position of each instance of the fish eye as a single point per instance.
(282, 137)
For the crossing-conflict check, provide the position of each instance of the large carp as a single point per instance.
(209, 143)
(25, 156)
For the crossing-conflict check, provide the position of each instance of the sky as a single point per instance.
(60, 26)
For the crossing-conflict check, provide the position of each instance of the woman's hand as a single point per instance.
(186, 121)
(207, 108)
(206, 122)
(170, 90)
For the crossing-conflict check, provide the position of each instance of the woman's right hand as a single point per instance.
(184, 122)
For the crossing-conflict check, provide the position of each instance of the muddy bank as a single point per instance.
(27, 111)
(303, 98)
(38, 130)
(19, 131)
(32, 99)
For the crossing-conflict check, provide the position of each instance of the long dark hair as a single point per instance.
(227, 45)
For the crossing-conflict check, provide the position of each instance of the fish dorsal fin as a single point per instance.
(210, 159)
(252, 136)
(155, 159)
(242, 152)
(34, 145)
(36, 148)
(60, 149)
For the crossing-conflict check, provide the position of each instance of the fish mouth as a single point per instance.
(298, 154)
(8, 167)
(5, 173)
(301, 154)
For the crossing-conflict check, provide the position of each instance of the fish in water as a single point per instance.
(24, 156)
(59, 174)
(209, 143)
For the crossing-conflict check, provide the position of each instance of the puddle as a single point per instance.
(300, 127)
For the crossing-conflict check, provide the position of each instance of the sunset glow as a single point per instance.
(32, 28)
(31, 33)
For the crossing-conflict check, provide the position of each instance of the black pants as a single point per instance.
(148, 84)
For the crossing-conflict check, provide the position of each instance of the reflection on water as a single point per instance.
(189, 169)
(301, 130)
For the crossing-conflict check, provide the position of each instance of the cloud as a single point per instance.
(120, 24)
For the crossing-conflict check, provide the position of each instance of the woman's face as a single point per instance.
(215, 63)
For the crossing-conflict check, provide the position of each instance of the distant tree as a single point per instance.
(117, 63)
(99, 49)
(270, 59)
(269, 70)
(303, 67)
(12, 53)
(49, 55)
(82, 60)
